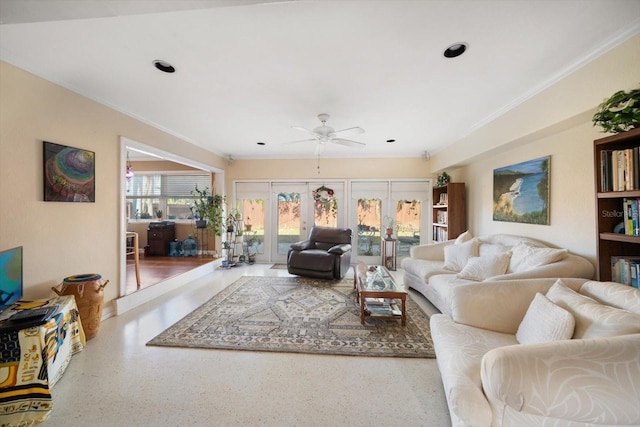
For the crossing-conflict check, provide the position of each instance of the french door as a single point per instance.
(290, 217)
(282, 213)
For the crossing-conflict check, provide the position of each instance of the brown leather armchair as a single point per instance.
(326, 254)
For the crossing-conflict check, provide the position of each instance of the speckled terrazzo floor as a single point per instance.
(119, 381)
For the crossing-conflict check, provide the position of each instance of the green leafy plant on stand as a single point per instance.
(619, 113)
(209, 207)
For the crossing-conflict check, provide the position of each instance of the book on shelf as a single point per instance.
(631, 216)
(625, 270)
(620, 170)
(440, 234)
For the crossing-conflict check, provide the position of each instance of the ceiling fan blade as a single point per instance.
(348, 142)
(304, 130)
(300, 140)
(349, 131)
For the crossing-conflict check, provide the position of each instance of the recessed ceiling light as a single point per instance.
(164, 66)
(261, 143)
(391, 141)
(455, 49)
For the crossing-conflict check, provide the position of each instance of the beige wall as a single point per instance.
(572, 206)
(63, 239)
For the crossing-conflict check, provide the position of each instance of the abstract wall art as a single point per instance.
(69, 174)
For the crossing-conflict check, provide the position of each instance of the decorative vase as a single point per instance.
(87, 290)
(389, 233)
(201, 223)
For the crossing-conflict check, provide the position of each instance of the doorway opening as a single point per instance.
(160, 268)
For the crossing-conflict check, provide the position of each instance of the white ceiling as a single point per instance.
(249, 70)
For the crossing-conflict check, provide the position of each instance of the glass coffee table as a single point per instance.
(378, 293)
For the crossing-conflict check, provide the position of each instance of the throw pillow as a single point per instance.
(593, 320)
(482, 267)
(518, 254)
(527, 257)
(464, 237)
(545, 322)
(456, 256)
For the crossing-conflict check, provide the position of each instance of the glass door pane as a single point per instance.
(408, 219)
(253, 214)
(290, 218)
(368, 213)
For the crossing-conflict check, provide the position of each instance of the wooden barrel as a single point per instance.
(88, 292)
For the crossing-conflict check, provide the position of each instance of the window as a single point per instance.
(166, 195)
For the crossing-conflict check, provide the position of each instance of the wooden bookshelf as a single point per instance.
(609, 205)
(449, 216)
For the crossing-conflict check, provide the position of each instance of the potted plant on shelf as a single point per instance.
(619, 113)
(390, 225)
(443, 179)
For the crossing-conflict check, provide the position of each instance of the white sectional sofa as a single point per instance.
(435, 269)
(510, 356)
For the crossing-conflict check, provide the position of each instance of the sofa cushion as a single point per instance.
(483, 267)
(593, 320)
(613, 294)
(492, 249)
(464, 237)
(525, 257)
(545, 322)
(456, 256)
(424, 268)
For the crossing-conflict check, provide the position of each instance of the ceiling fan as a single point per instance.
(323, 134)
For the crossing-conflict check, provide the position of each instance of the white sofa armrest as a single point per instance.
(434, 251)
(498, 306)
(595, 381)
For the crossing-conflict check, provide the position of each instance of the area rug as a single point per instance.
(300, 315)
(279, 267)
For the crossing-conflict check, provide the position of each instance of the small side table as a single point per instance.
(34, 358)
(389, 255)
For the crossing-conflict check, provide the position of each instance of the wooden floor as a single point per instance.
(154, 269)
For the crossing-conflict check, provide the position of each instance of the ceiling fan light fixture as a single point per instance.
(455, 50)
(164, 66)
(323, 117)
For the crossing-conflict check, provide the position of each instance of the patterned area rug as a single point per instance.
(300, 315)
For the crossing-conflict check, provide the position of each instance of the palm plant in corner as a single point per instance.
(619, 113)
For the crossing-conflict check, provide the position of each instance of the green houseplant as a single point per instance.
(209, 208)
(619, 113)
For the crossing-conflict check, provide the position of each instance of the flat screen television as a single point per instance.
(10, 276)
